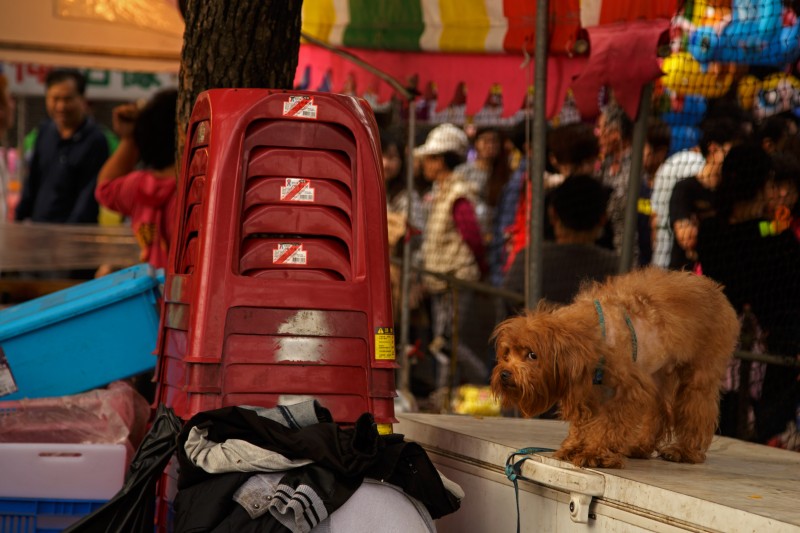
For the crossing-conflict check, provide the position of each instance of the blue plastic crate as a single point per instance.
(27, 515)
(81, 338)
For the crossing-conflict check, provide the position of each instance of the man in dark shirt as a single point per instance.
(578, 214)
(69, 151)
(692, 198)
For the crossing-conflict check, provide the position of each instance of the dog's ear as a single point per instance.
(505, 332)
(573, 355)
(499, 330)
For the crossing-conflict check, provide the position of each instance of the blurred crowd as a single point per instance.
(78, 171)
(726, 208)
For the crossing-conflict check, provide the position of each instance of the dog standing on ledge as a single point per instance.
(636, 363)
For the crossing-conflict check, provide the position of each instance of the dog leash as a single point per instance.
(513, 470)
(601, 365)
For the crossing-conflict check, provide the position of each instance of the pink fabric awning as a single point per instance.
(622, 56)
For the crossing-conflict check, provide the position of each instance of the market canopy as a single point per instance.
(464, 26)
(479, 43)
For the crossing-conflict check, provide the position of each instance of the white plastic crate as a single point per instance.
(61, 471)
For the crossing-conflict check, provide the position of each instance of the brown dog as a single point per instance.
(636, 363)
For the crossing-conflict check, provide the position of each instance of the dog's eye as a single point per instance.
(532, 355)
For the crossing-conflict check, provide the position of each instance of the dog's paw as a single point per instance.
(641, 452)
(596, 459)
(565, 454)
(678, 454)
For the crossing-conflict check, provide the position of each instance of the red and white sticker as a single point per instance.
(300, 106)
(297, 190)
(289, 254)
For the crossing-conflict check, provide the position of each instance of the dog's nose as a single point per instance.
(505, 377)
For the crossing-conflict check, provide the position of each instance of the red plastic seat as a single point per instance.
(278, 280)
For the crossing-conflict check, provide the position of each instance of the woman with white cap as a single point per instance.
(452, 241)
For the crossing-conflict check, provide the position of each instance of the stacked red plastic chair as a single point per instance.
(278, 283)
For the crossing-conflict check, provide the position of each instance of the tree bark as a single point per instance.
(236, 43)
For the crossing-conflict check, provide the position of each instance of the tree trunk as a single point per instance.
(236, 43)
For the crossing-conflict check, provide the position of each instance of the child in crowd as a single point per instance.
(453, 241)
(146, 195)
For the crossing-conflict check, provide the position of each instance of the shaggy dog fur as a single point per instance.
(680, 328)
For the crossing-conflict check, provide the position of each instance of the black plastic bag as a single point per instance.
(132, 509)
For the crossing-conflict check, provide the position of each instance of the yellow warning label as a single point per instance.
(384, 344)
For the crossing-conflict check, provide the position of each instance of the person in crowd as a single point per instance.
(656, 148)
(397, 202)
(146, 195)
(757, 264)
(577, 211)
(506, 210)
(773, 132)
(692, 198)
(784, 200)
(571, 150)
(488, 172)
(452, 240)
(397, 196)
(491, 172)
(614, 134)
(68, 152)
(783, 191)
(6, 121)
(680, 165)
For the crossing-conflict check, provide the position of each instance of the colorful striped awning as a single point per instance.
(466, 25)
(478, 45)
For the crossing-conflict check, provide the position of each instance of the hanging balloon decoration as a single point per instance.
(684, 75)
(757, 32)
(720, 46)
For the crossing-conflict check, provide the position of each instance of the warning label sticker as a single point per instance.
(289, 254)
(297, 190)
(7, 383)
(384, 344)
(300, 106)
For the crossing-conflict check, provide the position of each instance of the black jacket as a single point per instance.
(342, 457)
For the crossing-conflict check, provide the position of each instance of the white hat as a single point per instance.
(444, 138)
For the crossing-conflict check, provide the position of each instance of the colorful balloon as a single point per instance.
(758, 33)
(684, 75)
